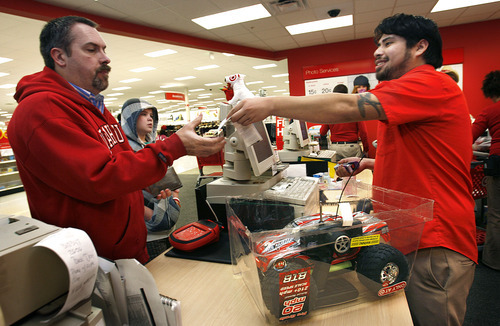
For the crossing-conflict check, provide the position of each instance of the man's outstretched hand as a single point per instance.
(196, 145)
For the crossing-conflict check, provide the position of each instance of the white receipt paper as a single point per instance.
(346, 212)
(76, 250)
(249, 134)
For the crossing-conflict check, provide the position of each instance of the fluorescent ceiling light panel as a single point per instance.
(121, 88)
(3, 60)
(8, 86)
(142, 69)
(443, 5)
(213, 84)
(131, 80)
(255, 82)
(115, 94)
(280, 75)
(156, 92)
(320, 25)
(148, 96)
(269, 86)
(232, 17)
(185, 78)
(171, 85)
(160, 53)
(206, 67)
(2, 74)
(196, 90)
(228, 54)
(265, 66)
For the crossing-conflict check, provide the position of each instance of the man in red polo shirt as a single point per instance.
(424, 148)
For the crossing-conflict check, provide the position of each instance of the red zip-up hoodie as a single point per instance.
(78, 169)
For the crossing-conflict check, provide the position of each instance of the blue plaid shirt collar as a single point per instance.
(96, 100)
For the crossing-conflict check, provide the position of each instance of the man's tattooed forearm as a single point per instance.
(365, 99)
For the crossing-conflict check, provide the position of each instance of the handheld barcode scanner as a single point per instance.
(195, 235)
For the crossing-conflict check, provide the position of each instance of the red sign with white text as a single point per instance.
(175, 96)
(339, 69)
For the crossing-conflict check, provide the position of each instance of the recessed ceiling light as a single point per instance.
(142, 69)
(265, 66)
(131, 80)
(280, 75)
(232, 17)
(170, 85)
(206, 67)
(160, 53)
(443, 5)
(185, 78)
(3, 60)
(320, 25)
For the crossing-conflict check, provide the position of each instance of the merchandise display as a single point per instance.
(353, 253)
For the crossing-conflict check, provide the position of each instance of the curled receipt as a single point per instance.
(76, 250)
(249, 134)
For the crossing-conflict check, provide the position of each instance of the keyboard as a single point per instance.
(324, 153)
(294, 190)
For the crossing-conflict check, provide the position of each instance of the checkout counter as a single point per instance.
(212, 295)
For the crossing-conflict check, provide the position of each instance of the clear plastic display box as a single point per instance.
(352, 251)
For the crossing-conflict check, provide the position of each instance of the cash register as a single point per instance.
(33, 278)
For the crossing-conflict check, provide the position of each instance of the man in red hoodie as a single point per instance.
(75, 162)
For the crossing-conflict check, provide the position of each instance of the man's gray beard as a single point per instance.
(100, 84)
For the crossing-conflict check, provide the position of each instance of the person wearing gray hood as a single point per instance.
(139, 120)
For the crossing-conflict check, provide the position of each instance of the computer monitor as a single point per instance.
(243, 161)
(300, 129)
(296, 135)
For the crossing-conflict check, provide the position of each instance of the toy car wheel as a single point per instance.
(342, 244)
(381, 264)
(270, 285)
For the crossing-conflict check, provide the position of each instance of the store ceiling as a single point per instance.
(19, 39)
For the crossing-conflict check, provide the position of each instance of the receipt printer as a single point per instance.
(31, 276)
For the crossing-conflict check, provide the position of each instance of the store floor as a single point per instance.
(483, 303)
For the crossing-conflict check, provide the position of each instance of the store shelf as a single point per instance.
(10, 182)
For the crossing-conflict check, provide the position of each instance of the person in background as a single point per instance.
(424, 149)
(345, 136)
(162, 135)
(489, 119)
(450, 72)
(139, 123)
(361, 84)
(74, 160)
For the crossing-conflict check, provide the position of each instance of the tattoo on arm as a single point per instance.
(365, 101)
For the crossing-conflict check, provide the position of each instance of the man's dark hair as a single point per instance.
(491, 84)
(413, 29)
(57, 34)
(340, 88)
